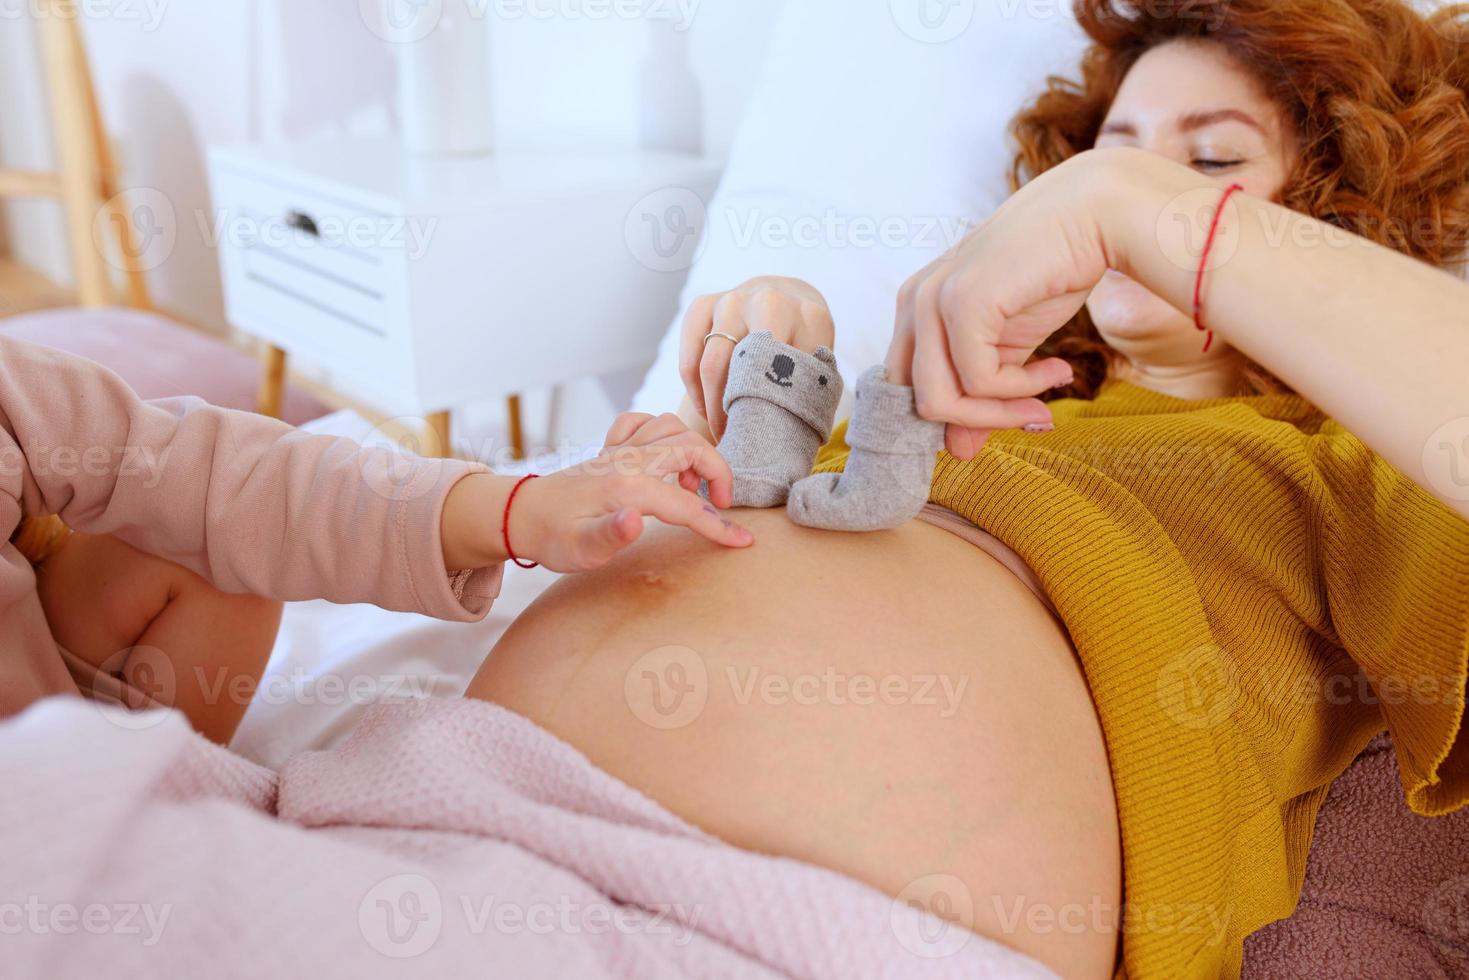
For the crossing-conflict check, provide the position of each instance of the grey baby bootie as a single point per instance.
(890, 471)
(781, 403)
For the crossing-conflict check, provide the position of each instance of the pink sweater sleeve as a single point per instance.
(248, 502)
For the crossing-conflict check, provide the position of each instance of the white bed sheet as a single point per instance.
(332, 662)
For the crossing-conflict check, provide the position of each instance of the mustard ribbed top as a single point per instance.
(1254, 595)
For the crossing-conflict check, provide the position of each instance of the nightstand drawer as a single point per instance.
(313, 273)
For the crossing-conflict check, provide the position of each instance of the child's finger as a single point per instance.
(678, 507)
(665, 426)
(608, 535)
(704, 461)
(625, 426)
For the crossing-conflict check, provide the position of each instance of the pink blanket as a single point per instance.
(442, 838)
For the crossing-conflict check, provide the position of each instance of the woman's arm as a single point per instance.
(1377, 340)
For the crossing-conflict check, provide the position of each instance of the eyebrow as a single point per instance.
(1191, 122)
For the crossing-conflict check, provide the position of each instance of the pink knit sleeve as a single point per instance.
(246, 501)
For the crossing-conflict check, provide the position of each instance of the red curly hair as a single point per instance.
(1377, 91)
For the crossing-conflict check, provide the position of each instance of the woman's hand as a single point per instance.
(577, 519)
(968, 324)
(790, 309)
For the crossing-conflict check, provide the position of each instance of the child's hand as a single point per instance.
(578, 519)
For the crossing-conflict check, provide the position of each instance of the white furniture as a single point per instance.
(430, 283)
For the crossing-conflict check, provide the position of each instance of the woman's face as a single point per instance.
(1192, 103)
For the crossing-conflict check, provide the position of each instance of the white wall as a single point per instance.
(177, 75)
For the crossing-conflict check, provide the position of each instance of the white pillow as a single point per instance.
(875, 139)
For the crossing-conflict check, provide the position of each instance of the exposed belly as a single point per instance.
(897, 707)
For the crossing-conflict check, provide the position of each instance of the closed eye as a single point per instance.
(1215, 166)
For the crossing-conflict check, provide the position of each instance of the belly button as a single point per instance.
(652, 579)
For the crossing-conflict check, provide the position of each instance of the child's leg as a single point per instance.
(159, 627)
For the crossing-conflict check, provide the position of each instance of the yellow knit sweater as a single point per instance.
(1254, 595)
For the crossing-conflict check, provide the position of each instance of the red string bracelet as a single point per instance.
(505, 524)
(1229, 192)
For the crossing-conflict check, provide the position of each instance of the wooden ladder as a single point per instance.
(85, 180)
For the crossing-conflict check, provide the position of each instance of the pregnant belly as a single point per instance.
(897, 707)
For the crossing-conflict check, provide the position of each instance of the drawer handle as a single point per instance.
(302, 222)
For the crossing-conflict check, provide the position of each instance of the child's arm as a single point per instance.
(256, 506)
(246, 501)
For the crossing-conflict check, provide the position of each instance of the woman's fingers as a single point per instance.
(963, 443)
(941, 358)
(990, 414)
(729, 320)
(935, 385)
(697, 323)
(789, 319)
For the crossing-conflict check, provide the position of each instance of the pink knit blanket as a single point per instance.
(444, 838)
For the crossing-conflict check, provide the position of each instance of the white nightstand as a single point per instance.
(427, 284)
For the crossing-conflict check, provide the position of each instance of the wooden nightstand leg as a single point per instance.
(272, 383)
(438, 432)
(517, 431)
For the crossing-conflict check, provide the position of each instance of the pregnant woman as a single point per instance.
(1236, 557)
(1171, 582)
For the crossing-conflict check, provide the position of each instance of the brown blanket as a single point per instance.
(1386, 893)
